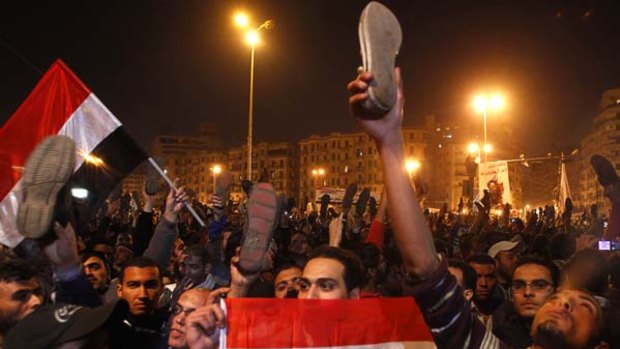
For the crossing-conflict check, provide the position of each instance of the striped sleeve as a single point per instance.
(448, 314)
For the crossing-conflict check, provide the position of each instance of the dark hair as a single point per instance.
(283, 267)
(543, 262)
(90, 244)
(370, 255)
(17, 270)
(353, 268)
(481, 259)
(199, 251)
(89, 254)
(561, 246)
(139, 262)
(469, 274)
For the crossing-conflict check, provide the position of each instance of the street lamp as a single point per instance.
(252, 38)
(216, 169)
(412, 166)
(483, 104)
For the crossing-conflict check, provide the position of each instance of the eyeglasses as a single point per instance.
(536, 285)
(178, 309)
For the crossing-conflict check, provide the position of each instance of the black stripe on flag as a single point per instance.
(120, 155)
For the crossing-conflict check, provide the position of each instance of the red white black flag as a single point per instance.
(61, 104)
(370, 323)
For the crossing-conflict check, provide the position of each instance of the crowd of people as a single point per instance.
(143, 276)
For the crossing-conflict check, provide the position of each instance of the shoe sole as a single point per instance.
(604, 170)
(262, 211)
(380, 38)
(362, 201)
(46, 171)
(347, 200)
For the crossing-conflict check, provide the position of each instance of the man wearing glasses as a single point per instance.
(189, 301)
(533, 282)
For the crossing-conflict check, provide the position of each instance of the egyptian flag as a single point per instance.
(61, 104)
(370, 323)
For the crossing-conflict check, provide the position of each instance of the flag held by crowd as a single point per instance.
(61, 104)
(372, 323)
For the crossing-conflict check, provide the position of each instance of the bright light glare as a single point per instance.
(487, 148)
(252, 38)
(241, 20)
(480, 104)
(321, 172)
(91, 159)
(497, 102)
(217, 169)
(79, 193)
(412, 165)
(473, 148)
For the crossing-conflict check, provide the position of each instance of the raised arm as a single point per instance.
(411, 232)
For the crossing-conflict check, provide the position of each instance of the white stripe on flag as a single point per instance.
(89, 124)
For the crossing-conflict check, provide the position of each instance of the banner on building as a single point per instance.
(493, 176)
(336, 194)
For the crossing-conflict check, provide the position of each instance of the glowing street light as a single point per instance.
(412, 166)
(252, 38)
(484, 104)
(216, 169)
(241, 20)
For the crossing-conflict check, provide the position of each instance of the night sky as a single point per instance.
(163, 66)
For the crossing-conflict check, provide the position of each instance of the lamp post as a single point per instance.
(483, 104)
(251, 38)
(412, 166)
(216, 169)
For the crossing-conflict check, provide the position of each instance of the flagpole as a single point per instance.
(222, 331)
(171, 184)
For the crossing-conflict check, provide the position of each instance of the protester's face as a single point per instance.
(17, 300)
(507, 261)
(122, 255)
(96, 272)
(570, 317)
(323, 278)
(286, 281)
(485, 280)
(179, 247)
(194, 268)
(531, 286)
(187, 303)
(299, 244)
(126, 239)
(141, 288)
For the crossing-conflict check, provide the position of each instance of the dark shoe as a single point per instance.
(262, 210)
(47, 170)
(380, 37)
(372, 206)
(325, 199)
(604, 170)
(362, 201)
(347, 200)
